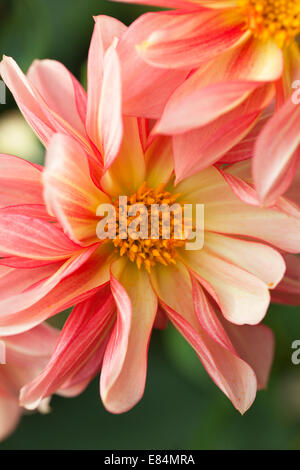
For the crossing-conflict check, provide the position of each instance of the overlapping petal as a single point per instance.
(124, 369)
(226, 213)
(70, 193)
(26, 355)
(27, 237)
(288, 291)
(60, 288)
(145, 88)
(104, 114)
(85, 329)
(128, 171)
(20, 181)
(232, 375)
(47, 117)
(277, 153)
(60, 90)
(199, 148)
(183, 39)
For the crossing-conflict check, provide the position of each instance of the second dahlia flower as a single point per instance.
(238, 55)
(123, 287)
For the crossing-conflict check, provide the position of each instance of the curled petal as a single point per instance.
(85, 329)
(277, 153)
(69, 192)
(61, 91)
(105, 31)
(124, 369)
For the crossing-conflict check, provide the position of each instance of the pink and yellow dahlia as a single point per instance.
(52, 259)
(238, 55)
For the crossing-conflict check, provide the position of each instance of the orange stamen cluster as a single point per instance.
(147, 252)
(273, 19)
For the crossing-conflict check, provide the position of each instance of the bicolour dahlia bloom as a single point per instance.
(238, 55)
(121, 288)
(22, 357)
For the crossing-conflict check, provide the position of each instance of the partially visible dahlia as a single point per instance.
(24, 356)
(121, 288)
(238, 54)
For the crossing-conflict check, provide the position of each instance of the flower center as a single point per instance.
(149, 227)
(275, 19)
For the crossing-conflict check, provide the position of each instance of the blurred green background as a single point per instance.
(182, 408)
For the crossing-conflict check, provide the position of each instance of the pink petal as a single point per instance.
(16, 281)
(245, 148)
(61, 91)
(70, 193)
(199, 107)
(288, 291)
(105, 30)
(124, 369)
(81, 336)
(185, 39)
(110, 123)
(226, 213)
(37, 343)
(232, 375)
(24, 263)
(242, 296)
(260, 260)
(145, 88)
(57, 290)
(44, 119)
(253, 344)
(27, 99)
(245, 192)
(161, 320)
(35, 211)
(20, 181)
(221, 85)
(197, 149)
(275, 160)
(24, 236)
(10, 414)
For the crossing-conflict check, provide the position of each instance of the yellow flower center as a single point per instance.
(273, 19)
(163, 234)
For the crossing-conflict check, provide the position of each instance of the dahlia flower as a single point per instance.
(23, 357)
(238, 54)
(122, 288)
